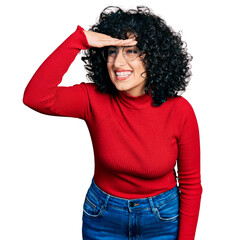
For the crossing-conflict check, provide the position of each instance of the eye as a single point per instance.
(112, 51)
(131, 51)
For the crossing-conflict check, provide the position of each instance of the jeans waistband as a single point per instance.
(139, 203)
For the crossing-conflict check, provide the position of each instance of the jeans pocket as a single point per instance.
(93, 206)
(169, 211)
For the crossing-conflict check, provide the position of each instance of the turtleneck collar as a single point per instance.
(138, 102)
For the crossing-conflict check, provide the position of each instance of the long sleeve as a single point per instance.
(189, 175)
(43, 93)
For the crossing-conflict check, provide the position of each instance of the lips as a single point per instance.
(123, 74)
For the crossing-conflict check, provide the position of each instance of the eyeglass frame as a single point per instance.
(117, 50)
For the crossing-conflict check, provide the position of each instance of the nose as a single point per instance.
(119, 60)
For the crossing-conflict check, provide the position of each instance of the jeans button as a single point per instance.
(131, 204)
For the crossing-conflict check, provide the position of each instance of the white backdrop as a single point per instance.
(47, 162)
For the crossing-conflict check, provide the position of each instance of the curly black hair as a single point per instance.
(166, 59)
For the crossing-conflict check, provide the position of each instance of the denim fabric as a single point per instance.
(113, 218)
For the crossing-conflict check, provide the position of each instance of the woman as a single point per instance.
(139, 125)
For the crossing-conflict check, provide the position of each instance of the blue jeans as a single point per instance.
(113, 218)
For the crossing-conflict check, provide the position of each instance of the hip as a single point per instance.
(105, 215)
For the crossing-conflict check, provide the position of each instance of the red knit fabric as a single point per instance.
(136, 145)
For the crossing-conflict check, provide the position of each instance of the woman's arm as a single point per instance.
(189, 175)
(42, 92)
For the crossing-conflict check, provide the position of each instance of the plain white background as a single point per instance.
(47, 162)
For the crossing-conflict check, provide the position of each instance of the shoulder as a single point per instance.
(179, 103)
(184, 105)
(96, 97)
(185, 110)
(90, 87)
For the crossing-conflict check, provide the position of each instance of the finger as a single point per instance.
(116, 39)
(126, 41)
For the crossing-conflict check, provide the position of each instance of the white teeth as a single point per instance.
(123, 74)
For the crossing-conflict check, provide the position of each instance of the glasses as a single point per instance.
(130, 53)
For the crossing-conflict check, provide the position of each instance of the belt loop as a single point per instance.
(106, 201)
(152, 205)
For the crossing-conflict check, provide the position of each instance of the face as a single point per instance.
(132, 81)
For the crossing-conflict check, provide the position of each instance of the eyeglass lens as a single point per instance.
(129, 52)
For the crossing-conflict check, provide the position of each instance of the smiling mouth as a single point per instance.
(123, 75)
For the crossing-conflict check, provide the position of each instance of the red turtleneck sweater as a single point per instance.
(136, 145)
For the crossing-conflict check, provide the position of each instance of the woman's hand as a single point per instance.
(101, 40)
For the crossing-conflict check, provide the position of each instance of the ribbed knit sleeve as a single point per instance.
(189, 175)
(43, 93)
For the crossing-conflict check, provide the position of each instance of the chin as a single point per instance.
(122, 88)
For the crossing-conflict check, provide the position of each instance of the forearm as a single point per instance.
(40, 93)
(190, 199)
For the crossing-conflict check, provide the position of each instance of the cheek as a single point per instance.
(143, 69)
(110, 69)
(139, 69)
(138, 66)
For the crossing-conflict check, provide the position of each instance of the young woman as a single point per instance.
(139, 125)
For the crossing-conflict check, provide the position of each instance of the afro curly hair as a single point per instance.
(166, 59)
